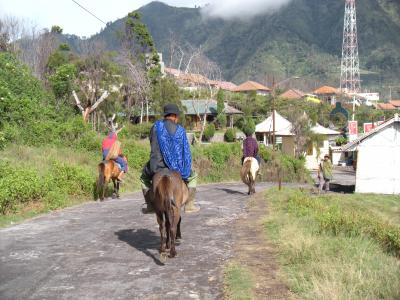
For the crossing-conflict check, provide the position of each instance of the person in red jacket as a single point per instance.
(111, 149)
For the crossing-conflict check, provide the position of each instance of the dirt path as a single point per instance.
(109, 250)
(254, 253)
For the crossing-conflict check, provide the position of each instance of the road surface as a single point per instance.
(109, 250)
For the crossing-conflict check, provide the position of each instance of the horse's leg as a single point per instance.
(174, 223)
(178, 230)
(162, 229)
(117, 189)
(167, 230)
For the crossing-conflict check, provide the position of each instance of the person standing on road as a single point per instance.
(325, 167)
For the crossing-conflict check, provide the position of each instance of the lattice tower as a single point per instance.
(350, 68)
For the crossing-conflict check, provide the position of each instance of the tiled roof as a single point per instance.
(194, 107)
(226, 85)
(385, 106)
(395, 103)
(251, 86)
(326, 90)
(292, 94)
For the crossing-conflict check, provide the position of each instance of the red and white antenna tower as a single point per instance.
(350, 70)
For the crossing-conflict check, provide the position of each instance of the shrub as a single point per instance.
(19, 185)
(265, 153)
(2, 140)
(341, 141)
(221, 119)
(138, 131)
(209, 132)
(230, 135)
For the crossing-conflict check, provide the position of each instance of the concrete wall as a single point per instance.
(378, 163)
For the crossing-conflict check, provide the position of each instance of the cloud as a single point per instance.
(242, 9)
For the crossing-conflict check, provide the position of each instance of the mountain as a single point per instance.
(301, 39)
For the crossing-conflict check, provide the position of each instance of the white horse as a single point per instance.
(249, 172)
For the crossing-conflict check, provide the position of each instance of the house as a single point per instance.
(293, 94)
(192, 81)
(225, 85)
(316, 152)
(395, 103)
(385, 106)
(377, 159)
(195, 110)
(250, 86)
(283, 133)
(327, 94)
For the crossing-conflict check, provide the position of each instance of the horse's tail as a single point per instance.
(101, 180)
(245, 172)
(165, 192)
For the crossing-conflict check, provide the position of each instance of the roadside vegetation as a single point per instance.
(239, 284)
(336, 246)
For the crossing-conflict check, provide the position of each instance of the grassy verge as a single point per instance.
(336, 246)
(238, 282)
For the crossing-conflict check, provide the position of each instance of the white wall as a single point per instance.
(378, 165)
(312, 161)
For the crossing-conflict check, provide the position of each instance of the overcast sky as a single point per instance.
(71, 17)
(74, 20)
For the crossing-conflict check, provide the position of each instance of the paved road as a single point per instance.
(109, 250)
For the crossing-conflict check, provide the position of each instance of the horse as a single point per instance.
(108, 170)
(170, 194)
(249, 172)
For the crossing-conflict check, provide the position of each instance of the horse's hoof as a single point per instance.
(172, 254)
(178, 241)
(114, 196)
(163, 257)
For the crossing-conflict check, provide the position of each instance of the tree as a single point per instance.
(164, 92)
(301, 128)
(96, 77)
(142, 60)
(62, 81)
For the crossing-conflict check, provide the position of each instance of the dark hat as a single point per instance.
(170, 109)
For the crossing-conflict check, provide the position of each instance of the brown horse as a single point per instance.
(170, 194)
(108, 170)
(249, 172)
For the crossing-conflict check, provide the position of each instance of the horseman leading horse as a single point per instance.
(249, 172)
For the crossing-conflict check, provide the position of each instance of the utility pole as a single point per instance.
(273, 112)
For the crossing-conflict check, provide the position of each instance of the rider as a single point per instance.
(170, 150)
(250, 147)
(111, 149)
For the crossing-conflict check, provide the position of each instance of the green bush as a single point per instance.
(265, 153)
(209, 132)
(137, 131)
(2, 140)
(341, 141)
(19, 185)
(230, 135)
(221, 119)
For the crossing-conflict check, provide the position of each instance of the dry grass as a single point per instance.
(318, 265)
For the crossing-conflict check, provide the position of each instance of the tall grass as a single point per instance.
(321, 263)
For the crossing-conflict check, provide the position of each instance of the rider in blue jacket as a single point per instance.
(169, 150)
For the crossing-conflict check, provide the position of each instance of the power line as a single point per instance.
(89, 12)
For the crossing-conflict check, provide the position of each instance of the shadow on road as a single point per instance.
(231, 192)
(141, 239)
